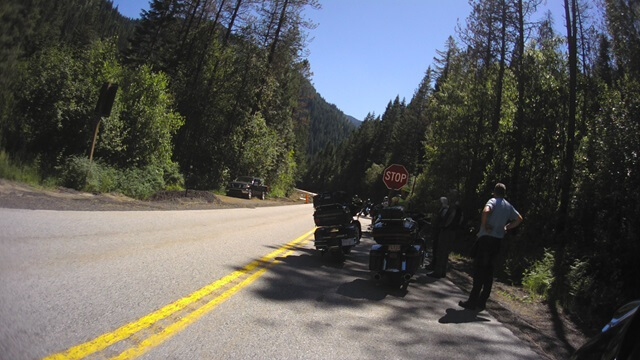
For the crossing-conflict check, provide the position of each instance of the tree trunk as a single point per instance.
(497, 107)
(518, 122)
(210, 37)
(276, 37)
(231, 22)
(497, 110)
(186, 27)
(568, 163)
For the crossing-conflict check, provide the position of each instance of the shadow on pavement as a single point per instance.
(367, 289)
(344, 287)
(454, 316)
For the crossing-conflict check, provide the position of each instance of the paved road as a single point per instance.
(217, 284)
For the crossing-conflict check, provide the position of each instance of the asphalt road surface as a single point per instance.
(217, 284)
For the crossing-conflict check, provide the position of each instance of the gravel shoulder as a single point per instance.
(549, 331)
(16, 195)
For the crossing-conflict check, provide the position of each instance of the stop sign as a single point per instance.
(395, 176)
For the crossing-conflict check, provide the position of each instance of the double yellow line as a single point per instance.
(155, 328)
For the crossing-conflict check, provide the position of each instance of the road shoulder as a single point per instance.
(17, 195)
(548, 331)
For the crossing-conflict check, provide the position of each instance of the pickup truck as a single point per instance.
(248, 186)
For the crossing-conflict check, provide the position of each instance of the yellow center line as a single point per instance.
(158, 338)
(103, 341)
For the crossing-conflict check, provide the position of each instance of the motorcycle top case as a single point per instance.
(392, 227)
(392, 213)
(332, 214)
(328, 198)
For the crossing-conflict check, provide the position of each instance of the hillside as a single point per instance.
(320, 122)
(354, 121)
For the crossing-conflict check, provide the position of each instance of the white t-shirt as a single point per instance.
(502, 212)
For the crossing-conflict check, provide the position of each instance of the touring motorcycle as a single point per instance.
(399, 251)
(337, 231)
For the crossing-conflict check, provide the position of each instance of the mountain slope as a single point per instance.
(320, 123)
(354, 121)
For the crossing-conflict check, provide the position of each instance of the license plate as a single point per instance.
(394, 247)
(348, 242)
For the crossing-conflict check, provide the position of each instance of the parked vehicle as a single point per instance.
(618, 339)
(248, 186)
(400, 246)
(338, 232)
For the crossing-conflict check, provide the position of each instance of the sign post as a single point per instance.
(103, 109)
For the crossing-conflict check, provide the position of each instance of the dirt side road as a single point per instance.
(550, 332)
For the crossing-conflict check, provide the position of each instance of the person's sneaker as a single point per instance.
(467, 305)
(481, 306)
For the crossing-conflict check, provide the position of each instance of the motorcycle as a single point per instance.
(366, 208)
(618, 339)
(399, 251)
(337, 231)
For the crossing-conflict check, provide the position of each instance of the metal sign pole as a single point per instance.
(95, 136)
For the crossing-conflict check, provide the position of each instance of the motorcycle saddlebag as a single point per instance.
(376, 258)
(414, 259)
(332, 214)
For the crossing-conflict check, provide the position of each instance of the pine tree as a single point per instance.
(156, 38)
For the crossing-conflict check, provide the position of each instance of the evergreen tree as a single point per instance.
(155, 39)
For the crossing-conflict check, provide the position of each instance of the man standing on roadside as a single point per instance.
(445, 238)
(498, 217)
(438, 220)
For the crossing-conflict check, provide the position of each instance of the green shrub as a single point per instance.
(18, 172)
(74, 172)
(80, 174)
(173, 178)
(579, 280)
(538, 278)
(284, 181)
(140, 183)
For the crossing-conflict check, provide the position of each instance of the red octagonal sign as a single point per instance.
(395, 177)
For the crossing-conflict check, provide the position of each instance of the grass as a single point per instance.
(516, 298)
(538, 278)
(26, 173)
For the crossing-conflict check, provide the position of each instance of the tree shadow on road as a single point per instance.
(454, 316)
(367, 289)
(334, 290)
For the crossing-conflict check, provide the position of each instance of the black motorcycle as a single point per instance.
(338, 232)
(400, 246)
(618, 339)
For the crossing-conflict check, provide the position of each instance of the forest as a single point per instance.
(211, 89)
(206, 91)
(554, 116)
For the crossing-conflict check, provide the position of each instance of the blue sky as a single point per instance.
(364, 53)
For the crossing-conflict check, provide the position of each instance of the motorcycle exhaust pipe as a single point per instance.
(377, 276)
(406, 277)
